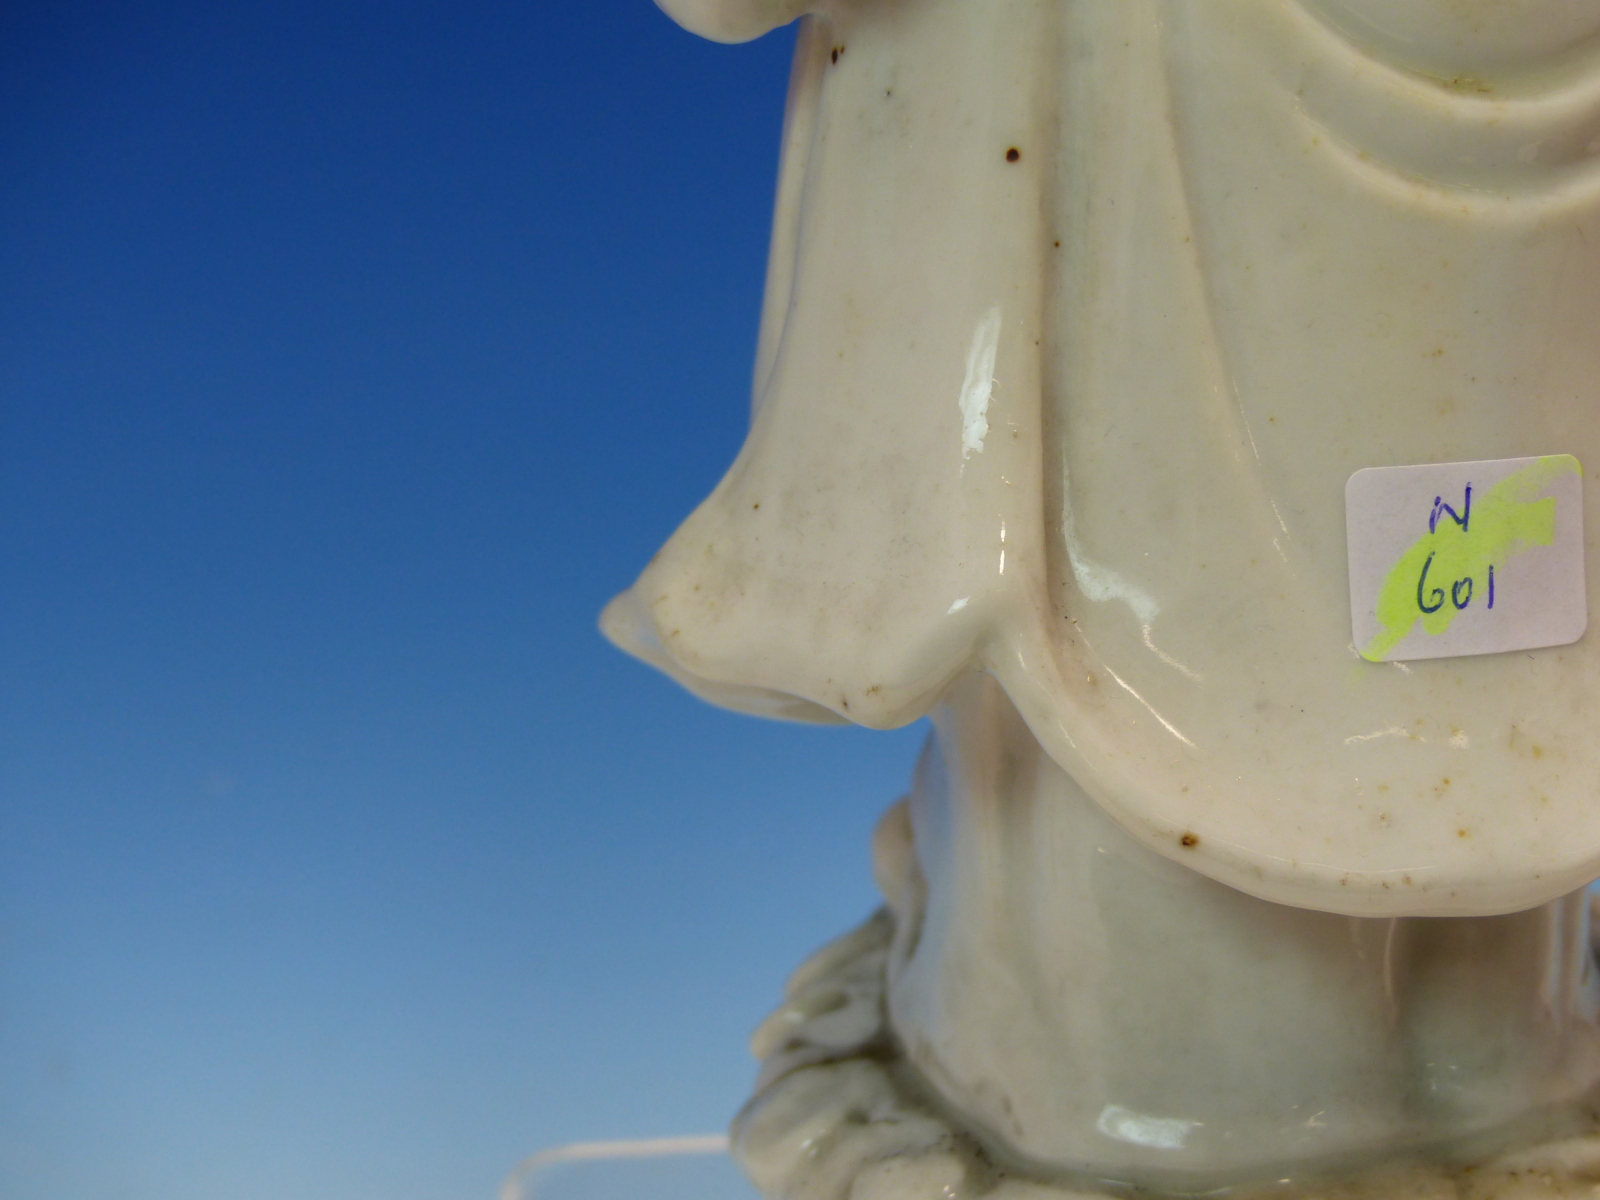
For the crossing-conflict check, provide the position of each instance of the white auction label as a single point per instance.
(1466, 558)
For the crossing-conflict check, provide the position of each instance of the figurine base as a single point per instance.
(839, 1115)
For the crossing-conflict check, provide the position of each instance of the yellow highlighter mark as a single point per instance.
(1454, 563)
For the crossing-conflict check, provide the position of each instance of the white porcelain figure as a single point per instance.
(1080, 315)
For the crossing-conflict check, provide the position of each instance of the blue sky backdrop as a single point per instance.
(351, 356)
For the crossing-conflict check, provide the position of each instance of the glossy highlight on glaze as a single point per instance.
(1247, 248)
(1188, 895)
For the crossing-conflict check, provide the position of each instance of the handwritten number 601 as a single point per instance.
(1459, 598)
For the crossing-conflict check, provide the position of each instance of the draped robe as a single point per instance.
(1078, 317)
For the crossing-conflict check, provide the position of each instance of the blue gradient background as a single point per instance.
(351, 356)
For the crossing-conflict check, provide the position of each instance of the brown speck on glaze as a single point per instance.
(1013, 154)
(1188, 841)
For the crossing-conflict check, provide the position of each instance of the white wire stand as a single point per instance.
(695, 1167)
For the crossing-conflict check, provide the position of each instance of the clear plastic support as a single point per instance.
(695, 1167)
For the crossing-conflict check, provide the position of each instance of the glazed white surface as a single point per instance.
(1244, 249)
(838, 1115)
(1092, 1007)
